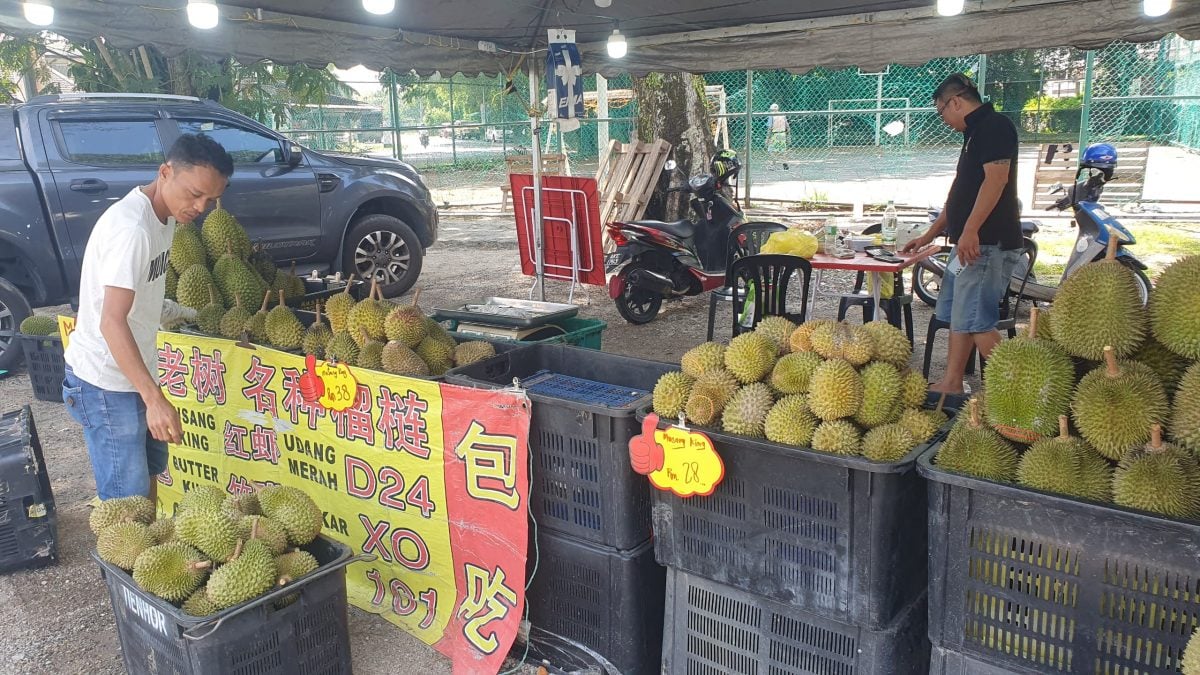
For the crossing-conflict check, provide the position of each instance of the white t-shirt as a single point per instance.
(129, 248)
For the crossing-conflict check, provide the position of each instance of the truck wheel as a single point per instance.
(13, 310)
(383, 248)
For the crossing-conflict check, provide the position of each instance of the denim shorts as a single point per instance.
(970, 301)
(124, 455)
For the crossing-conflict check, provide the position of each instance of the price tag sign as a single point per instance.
(66, 326)
(341, 389)
(677, 459)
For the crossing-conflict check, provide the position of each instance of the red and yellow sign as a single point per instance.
(676, 459)
(430, 478)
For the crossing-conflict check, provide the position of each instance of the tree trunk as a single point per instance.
(673, 107)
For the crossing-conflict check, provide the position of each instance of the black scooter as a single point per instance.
(656, 260)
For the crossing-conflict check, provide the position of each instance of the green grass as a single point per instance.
(1158, 244)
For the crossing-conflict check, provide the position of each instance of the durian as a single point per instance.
(750, 357)
(835, 391)
(1161, 478)
(233, 323)
(1185, 419)
(746, 412)
(889, 343)
(1173, 315)
(186, 248)
(888, 443)
(1099, 306)
(839, 437)
(370, 353)
(436, 354)
(881, 393)
(702, 359)
(121, 544)
(1066, 465)
(198, 604)
(840, 340)
(671, 394)
(294, 510)
(195, 288)
(1029, 383)
(1165, 363)
(292, 566)
(249, 573)
(214, 533)
(779, 329)
(284, 330)
(39, 324)
(919, 424)
(801, 337)
(316, 336)
(398, 359)
(162, 530)
(221, 231)
(338, 307)
(202, 498)
(406, 323)
(1116, 404)
(709, 395)
(790, 422)
(256, 326)
(913, 389)
(793, 372)
(341, 348)
(367, 318)
(136, 509)
(171, 571)
(208, 318)
(474, 351)
(974, 449)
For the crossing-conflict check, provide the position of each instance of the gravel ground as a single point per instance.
(59, 620)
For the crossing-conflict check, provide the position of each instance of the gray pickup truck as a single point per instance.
(64, 159)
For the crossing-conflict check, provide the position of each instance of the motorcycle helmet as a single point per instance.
(1100, 156)
(725, 166)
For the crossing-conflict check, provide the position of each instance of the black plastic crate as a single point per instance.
(28, 518)
(44, 360)
(582, 482)
(1033, 582)
(840, 536)
(320, 290)
(714, 629)
(946, 662)
(309, 636)
(608, 600)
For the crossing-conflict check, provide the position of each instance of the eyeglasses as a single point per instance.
(941, 109)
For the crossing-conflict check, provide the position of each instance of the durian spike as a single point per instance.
(1033, 318)
(281, 302)
(1114, 241)
(266, 301)
(1064, 430)
(416, 297)
(973, 405)
(1110, 363)
(1156, 440)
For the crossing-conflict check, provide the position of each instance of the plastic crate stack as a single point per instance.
(799, 562)
(28, 520)
(44, 359)
(1022, 581)
(596, 581)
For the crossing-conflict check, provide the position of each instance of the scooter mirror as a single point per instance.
(894, 128)
(671, 165)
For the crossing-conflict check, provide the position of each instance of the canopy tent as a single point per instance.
(490, 36)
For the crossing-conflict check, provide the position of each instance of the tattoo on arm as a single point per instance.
(1001, 162)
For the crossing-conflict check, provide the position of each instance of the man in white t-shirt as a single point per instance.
(111, 385)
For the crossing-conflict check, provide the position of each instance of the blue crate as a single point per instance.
(580, 390)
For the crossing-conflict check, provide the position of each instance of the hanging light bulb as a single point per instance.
(950, 7)
(38, 12)
(604, 4)
(1156, 7)
(203, 14)
(617, 46)
(379, 6)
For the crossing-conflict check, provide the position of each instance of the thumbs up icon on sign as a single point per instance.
(312, 388)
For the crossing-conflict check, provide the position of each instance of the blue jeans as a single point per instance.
(124, 455)
(970, 302)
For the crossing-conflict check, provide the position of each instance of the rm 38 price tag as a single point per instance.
(341, 389)
(677, 459)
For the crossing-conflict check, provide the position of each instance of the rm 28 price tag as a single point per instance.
(341, 389)
(677, 459)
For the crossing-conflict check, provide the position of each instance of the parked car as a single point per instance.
(65, 158)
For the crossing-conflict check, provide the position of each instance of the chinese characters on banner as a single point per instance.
(430, 478)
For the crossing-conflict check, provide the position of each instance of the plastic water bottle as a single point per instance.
(889, 227)
(831, 235)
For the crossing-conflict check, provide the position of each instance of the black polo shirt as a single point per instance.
(990, 136)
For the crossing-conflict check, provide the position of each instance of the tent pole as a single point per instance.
(535, 120)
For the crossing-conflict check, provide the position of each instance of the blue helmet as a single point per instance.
(1099, 156)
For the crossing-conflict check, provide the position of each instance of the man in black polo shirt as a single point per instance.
(983, 220)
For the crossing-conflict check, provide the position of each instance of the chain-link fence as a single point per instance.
(822, 138)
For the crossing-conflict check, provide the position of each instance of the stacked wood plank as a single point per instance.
(626, 179)
(1057, 163)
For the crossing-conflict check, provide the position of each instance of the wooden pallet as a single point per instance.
(1057, 163)
(626, 179)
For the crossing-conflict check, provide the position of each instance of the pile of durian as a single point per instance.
(1136, 408)
(371, 333)
(218, 551)
(827, 385)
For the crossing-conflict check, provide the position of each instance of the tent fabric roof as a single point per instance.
(664, 35)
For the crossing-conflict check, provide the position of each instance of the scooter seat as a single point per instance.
(683, 229)
(1029, 227)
